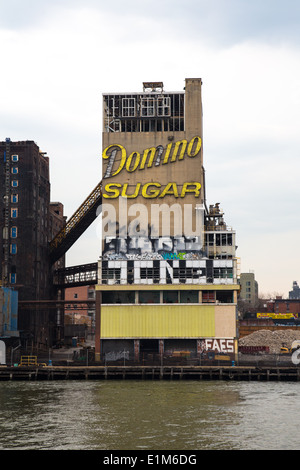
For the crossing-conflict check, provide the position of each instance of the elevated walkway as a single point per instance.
(82, 275)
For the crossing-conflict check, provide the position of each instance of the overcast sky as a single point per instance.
(59, 56)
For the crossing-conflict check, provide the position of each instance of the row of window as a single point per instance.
(149, 107)
(181, 274)
(219, 239)
(15, 170)
(169, 297)
(14, 214)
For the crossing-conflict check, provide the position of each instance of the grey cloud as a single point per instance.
(215, 21)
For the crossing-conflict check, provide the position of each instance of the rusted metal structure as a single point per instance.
(82, 275)
(77, 224)
(56, 304)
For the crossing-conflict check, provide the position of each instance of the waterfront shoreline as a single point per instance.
(243, 373)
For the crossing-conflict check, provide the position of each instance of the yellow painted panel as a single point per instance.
(157, 321)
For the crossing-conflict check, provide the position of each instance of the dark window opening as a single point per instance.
(149, 346)
(126, 297)
(224, 297)
(149, 297)
(170, 297)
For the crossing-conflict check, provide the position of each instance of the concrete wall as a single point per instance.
(186, 167)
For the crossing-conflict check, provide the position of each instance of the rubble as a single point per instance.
(273, 339)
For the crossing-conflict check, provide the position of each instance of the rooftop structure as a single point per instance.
(295, 293)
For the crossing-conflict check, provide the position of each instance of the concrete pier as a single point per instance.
(242, 373)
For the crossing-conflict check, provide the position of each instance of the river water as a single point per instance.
(149, 415)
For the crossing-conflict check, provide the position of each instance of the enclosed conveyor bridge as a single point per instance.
(77, 224)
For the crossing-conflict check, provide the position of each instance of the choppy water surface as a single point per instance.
(149, 415)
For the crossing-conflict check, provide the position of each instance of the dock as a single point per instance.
(226, 373)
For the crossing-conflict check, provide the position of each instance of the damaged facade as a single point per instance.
(167, 274)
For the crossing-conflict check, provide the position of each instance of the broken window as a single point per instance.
(164, 106)
(136, 112)
(208, 296)
(223, 273)
(111, 275)
(148, 107)
(128, 107)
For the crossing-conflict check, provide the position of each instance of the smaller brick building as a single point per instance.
(79, 313)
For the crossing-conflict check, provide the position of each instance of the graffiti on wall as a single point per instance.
(137, 234)
(154, 271)
(223, 345)
(142, 248)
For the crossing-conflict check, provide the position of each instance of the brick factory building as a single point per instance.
(28, 222)
(167, 274)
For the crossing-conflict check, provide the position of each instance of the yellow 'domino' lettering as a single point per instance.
(123, 157)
